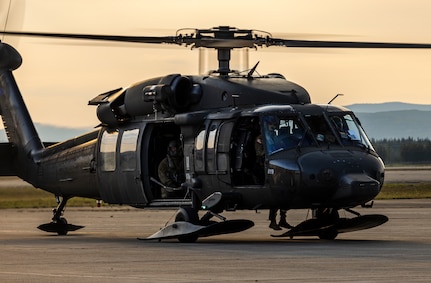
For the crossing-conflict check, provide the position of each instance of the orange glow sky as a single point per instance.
(58, 77)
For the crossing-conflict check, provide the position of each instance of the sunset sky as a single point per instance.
(59, 76)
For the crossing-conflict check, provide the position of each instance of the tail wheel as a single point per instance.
(62, 224)
(187, 214)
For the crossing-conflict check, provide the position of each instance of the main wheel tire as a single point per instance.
(328, 217)
(187, 214)
(62, 227)
(329, 234)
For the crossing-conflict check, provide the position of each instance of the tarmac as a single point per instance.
(408, 174)
(107, 249)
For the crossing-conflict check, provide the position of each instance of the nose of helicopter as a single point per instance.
(344, 178)
(357, 188)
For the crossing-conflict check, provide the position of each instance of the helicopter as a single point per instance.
(313, 156)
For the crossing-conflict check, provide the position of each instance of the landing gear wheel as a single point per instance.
(62, 230)
(329, 234)
(187, 214)
(328, 217)
(59, 224)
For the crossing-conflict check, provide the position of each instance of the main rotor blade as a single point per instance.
(207, 42)
(341, 44)
(219, 40)
(118, 38)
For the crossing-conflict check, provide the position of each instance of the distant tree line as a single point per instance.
(404, 151)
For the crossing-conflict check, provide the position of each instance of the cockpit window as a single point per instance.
(320, 129)
(349, 131)
(288, 132)
(281, 132)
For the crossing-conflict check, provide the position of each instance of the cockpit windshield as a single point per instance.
(284, 132)
(349, 131)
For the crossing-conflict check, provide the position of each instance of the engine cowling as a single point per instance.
(172, 94)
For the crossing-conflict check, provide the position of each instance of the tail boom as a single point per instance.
(19, 126)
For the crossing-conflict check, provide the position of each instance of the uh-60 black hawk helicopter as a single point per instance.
(315, 157)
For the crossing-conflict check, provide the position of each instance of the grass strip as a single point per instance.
(405, 191)
(28, 197)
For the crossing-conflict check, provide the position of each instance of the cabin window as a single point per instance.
(128, 147)
(107, 151)
(211, 145)
(223, 147)
(199, 152)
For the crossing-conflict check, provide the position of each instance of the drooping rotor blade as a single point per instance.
(341, 44)
(118, 38)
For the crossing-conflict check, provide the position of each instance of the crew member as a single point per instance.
(273, 219)
(171, 170)
(272, 144)
(259, 165)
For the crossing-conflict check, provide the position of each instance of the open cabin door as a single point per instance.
(119, 167)
(155, 141)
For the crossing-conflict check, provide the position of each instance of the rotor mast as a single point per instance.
(223, 39)
(223, 57)
(224, 54)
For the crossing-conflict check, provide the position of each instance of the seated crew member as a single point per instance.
(272, 140)
(171, 170)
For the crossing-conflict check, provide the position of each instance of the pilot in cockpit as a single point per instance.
(272, 141)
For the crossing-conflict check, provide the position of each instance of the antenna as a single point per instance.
(7, 18)
(252, 70)
(339, 94)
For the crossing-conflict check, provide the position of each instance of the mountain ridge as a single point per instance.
(394, 120)
(52, 133)
(387, 106)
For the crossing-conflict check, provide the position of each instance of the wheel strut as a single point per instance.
(58, 211)
(59, 224)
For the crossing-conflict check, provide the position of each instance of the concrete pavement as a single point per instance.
(107, 250)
